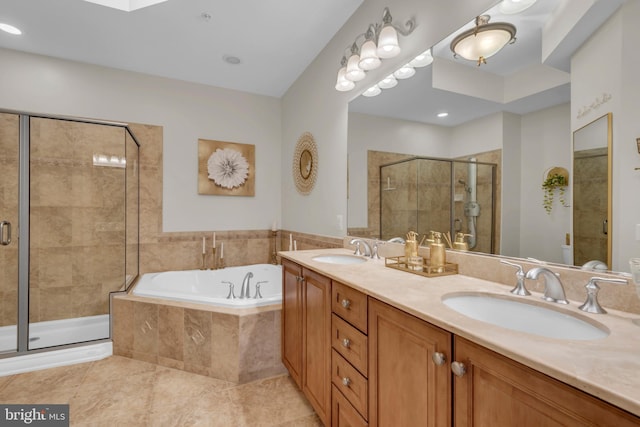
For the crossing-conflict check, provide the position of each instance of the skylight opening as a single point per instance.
(126, 5)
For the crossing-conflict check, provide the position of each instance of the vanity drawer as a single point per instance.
(343, 414)
(350, 382)
(349, 304)
(350, 343)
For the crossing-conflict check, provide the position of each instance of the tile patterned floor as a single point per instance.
(118, 391)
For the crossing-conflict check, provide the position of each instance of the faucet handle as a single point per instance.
(520, 288)
(591, 305)
(374, 251)
(357, 251)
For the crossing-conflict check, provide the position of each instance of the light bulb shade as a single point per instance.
(368, 57)
(342, 84)
(404, 72)
(372, 91)
(354, 73)
(422, 60)
(388, 82)
(483, 41)
(388, 46)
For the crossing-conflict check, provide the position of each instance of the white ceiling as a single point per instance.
(275, 40)
(416, 99)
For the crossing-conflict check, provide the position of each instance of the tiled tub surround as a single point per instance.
(606, 368)
(228, 344)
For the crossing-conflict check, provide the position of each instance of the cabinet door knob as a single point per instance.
(346, 342)
(346, 303)
(346, 381)
(458, 368)
(438, 358)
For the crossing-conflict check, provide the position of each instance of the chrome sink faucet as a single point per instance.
(358, 242)
(553, 289)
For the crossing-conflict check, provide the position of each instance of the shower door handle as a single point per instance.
(5, 238)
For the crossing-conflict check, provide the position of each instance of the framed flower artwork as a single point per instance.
(226, 168)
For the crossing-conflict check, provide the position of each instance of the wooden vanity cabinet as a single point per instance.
(306, 335)
(497, 391)
(291, 335)
(406, 386)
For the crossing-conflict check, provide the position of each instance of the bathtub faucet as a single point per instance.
(244, 291)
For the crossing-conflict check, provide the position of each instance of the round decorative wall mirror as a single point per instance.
(305, 163)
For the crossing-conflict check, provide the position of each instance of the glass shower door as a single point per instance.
(77, 229)
(9, 169)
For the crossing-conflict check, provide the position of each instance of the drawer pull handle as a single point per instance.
(346, 303)
(346, 381)
(439, 358)
(458, 368)
(346, 343)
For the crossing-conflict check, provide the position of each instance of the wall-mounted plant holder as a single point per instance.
(555, 179)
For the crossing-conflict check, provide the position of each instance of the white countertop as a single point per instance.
(607, 368)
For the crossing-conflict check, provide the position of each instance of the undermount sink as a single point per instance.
(339, 259)
(526, 317)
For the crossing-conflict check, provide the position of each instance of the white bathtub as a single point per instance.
(208, 287)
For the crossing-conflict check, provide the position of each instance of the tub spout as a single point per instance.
(244, 291)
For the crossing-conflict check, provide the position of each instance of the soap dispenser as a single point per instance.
(437, 254)
(461, 243)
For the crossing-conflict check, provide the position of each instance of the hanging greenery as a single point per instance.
(553, 182)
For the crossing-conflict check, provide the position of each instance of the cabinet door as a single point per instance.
(292, 320)
(406, 387)
(316, 343)
(342, 413)
(499, 392)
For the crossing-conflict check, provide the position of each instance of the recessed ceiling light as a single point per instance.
(230, 59)
(10, 29)
(441, 115)
(126, 5)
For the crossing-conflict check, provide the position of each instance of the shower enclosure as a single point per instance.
(68, 228)
(424, 194)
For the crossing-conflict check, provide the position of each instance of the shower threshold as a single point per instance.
(57, 332)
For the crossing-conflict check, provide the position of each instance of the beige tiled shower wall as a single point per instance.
(76, 219)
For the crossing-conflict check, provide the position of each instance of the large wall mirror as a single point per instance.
(592, 183)
(514, 111)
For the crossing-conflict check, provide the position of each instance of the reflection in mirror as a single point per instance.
(515, 110)
(591, 192)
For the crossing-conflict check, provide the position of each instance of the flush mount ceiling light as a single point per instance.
(380, 41)
(10, 29)
(126, 5)
(442, 115)
(511, 7)
(483, 41)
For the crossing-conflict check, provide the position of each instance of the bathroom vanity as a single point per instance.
(373, 346)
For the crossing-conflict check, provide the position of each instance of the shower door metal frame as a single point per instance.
(22, 326)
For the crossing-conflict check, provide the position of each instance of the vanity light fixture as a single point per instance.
(422, 60)
(372, 91)
(388, 82)
(484, 40)
(404, 72)
(380, 41)
(10, 29)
